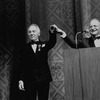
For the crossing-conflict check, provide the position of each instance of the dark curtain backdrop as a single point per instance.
(12, 37)
(16, 15)
(38, 15)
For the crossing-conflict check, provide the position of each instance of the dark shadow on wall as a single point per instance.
(12, 37)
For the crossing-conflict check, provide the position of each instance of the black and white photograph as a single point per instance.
(49, 49)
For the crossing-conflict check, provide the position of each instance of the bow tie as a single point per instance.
(35, 42)
(94, 38)
(97, 37)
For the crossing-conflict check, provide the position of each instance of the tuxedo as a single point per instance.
(34, 70)
(94, 41)
(35, 64)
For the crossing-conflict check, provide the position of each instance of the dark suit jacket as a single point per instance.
(34, 66)
(90, 41)
(82, 42)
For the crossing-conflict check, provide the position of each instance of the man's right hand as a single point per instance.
(21, 85)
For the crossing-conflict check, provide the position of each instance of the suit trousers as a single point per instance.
(40, 89)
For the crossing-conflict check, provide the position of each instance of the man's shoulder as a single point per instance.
(42, 42)
(25, 46)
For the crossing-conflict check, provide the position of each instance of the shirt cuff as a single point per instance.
(63, 35)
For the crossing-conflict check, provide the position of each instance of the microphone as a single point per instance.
(81, 32)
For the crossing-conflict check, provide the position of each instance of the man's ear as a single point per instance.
(38, 34)
(99, 30)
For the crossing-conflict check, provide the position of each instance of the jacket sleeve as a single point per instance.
(81, 42)
(52, 40)
(69, 42)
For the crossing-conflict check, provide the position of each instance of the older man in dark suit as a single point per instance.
(34, 71)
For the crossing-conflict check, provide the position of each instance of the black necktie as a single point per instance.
(97, 37)
(34, 42)
(94, 38)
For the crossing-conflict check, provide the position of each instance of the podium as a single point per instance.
(82, 74)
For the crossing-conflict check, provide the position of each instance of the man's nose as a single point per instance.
(32, 34)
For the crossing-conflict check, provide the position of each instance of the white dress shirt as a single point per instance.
(97, 42)
(34, 47)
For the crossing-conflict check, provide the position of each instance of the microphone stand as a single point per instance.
(76, 38)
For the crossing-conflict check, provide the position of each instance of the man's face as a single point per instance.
(94, 27)
(33, 33)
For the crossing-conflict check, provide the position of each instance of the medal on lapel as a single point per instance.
(39, 47)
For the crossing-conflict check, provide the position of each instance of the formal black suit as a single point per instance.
(82, 42)
(90, 41)
(34, 69)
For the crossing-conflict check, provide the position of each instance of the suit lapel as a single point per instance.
(91, 42)
(36, 48)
